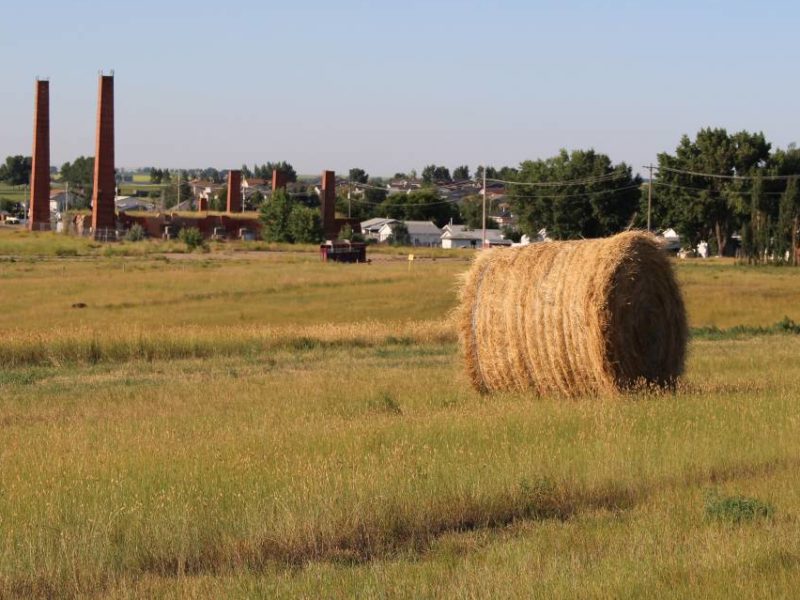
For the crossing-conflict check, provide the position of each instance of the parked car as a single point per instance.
(12, 221)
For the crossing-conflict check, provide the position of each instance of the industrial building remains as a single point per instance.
(109, 222)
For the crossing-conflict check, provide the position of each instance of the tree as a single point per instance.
(358, 175)
(10, 206)
(274, 216)
(305, 225)
(504, 173)
(255, 200)
(471, 210)
(399, 236)
(80, 176)
(210, 174)
(512, 234)
(219, 201)
(703, 207)
(584, 195)
(265, 171)
(156, 175)
(246, 172)
(434, 174)
(419, 205)
(16, 170)
(357, 208)
(788, 222)
(461, 173)
(175, 194)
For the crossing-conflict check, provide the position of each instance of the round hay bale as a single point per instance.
(573, 318)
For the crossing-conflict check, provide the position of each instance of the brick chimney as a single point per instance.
(40, 172)
(105, 183)
(328, 205)
(278, 180)
(234, 191)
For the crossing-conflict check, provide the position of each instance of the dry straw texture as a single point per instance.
(573, 318)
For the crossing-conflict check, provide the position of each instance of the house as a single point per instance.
(495, 192)
(370, 228)
(670, 240)
(460, 236)
(205, 189)
(458, 190)
(541, 236)
(403, 186)
(132, 203)
(251, 185)
(256, 182)
(420, 233)
(60, 200)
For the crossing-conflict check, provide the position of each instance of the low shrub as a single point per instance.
(192, 237)
(135, 233)
(736, 509)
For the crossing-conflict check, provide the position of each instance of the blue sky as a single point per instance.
(391, 86)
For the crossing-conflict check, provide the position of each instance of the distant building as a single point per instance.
(670, 240)
(420, 233)
(60, 200)
(460, 236)
(371, 228)
(403, 186)
(132, 203)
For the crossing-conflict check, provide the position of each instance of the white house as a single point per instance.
(421, 233)
(60, 200)
(460, 236)
(670, 240)
(371, 228)
(541, 236)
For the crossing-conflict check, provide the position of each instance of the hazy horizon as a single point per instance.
(393, 88)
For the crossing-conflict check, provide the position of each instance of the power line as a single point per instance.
(370, 187)
(566, 182)
(514, 197)
(716, 176)
(705, 189)
(408, 204)
(611, 191)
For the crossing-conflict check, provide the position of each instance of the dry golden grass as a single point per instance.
(319, 471)
(275, 427)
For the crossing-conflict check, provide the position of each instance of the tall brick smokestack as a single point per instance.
(278, 180)
(234, 191)
(40, 170)
(103, 209)
(328, 205)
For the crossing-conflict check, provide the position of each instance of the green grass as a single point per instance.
(15, 193)
(261, 424)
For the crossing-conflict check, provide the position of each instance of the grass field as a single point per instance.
(15, 193)
(259, 424)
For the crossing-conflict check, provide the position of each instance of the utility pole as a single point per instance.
(649, 195)
(349, 189)
(483, 237)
